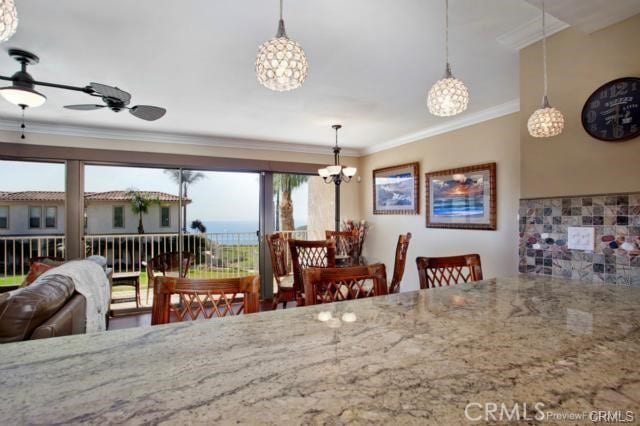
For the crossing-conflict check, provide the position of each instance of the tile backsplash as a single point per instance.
(543, 225)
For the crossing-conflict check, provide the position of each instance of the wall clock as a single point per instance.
(612, 112)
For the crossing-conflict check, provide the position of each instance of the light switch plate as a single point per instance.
(581, 238)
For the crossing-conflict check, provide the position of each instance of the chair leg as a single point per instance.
(148, 287)
(284, 305)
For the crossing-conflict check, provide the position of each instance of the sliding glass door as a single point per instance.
(32, 215)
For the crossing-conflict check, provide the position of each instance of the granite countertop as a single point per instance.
(417, 357)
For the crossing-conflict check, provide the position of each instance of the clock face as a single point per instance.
(612, 112)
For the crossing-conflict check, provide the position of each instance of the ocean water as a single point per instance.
(224, 226)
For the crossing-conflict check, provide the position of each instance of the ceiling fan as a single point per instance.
(23, 94)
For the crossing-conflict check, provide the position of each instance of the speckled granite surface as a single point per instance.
(412, 358)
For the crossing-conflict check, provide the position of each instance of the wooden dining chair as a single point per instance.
(167, 263)
(204, 299)
(305, 254)
(400, 261)
(443, 271)
(326, 285)
(284, 278)
(346, 242)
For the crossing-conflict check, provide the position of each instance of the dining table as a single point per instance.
(526, 346)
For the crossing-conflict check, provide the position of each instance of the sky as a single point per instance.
(220, 196)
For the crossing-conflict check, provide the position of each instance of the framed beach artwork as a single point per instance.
(395, 190)
(463, 198)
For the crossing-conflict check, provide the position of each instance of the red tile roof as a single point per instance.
(93, 196)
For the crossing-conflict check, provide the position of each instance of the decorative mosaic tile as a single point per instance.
(543, 227)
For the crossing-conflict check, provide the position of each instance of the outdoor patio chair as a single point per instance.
(168, 264)
(204, 299)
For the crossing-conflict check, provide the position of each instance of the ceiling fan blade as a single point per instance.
(111, 92)
(84, 107)
(147, 112)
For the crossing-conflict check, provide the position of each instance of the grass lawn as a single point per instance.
(144, 280)
(238, 261)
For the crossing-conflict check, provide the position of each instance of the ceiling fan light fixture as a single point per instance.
(23, 96)
(8, 19)
(281, 63)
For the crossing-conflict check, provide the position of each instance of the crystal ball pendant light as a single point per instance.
(8, 19)
(281, 64)
(546, 121)
(448, 96)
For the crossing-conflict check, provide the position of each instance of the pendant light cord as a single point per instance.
(446, 32)
(281, 1)
(544, 54)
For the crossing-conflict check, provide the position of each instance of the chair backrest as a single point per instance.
(305, 254)
(278, 249)
(169, 262)
(204, 298)
(400, 262)
(326, 285)
(442, 271)
(346, 241)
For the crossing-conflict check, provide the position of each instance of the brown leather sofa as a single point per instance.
(49, 307)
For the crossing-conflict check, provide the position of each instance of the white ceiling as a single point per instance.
(371, 64)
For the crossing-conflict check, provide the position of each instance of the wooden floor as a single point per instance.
(143, 319)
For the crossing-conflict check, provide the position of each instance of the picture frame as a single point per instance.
(396, 189)
(462, 198)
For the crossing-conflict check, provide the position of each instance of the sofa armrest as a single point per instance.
(70, 319)
(8, 288)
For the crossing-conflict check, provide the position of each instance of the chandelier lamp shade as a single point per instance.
(546, 121)
(8, 19)
(281, 64)
(336, 174)
(448, 96)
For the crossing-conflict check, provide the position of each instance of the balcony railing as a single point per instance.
(216, 255)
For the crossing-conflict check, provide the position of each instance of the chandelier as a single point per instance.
(281, 64)
(8, 19)
(546, 121)
(337, 173)
(448, 96)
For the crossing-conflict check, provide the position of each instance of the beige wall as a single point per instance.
(574, 163)
(495, 140)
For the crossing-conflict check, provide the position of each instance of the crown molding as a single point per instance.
(530, 32)
(170, 138)
(239, 143)
(451, 124)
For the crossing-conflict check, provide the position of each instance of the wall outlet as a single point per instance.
(581, 238)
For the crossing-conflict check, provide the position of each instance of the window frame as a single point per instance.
(55, 217)
(8, 226)
(168, 207)
(39, 208)
(113, 217)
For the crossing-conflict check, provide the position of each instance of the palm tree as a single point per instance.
(188, 177)
(140, 204)
(197, 225)
(285, 184)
